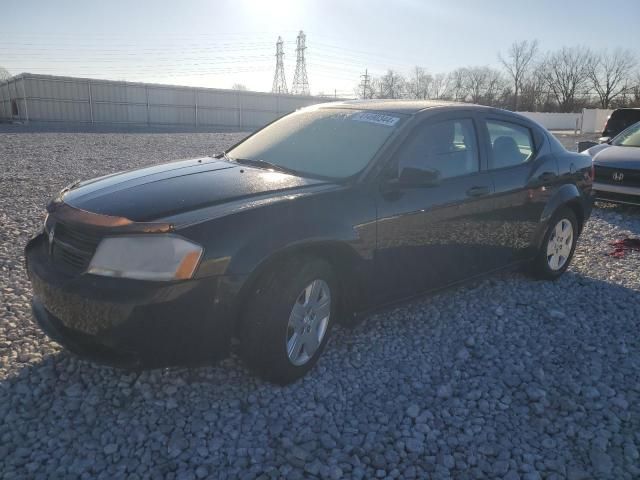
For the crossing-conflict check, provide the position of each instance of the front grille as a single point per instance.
(631, 178)
(73, 248)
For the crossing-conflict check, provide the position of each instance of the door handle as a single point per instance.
(478, 191)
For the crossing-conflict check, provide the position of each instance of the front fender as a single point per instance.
(242, 243)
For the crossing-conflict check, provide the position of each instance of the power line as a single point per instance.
(329, 62)
(300, 80)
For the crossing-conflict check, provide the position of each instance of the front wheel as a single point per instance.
(558, 245)
(288, 320)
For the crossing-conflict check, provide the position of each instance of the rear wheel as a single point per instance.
(288, 320)
(558, 245)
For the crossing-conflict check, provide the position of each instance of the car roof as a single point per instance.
(409, 107)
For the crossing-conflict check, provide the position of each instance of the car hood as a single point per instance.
(618, 157)
(593, 151)
(173, 188)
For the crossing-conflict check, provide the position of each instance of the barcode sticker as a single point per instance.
(377, 118)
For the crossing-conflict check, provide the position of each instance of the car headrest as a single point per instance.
(506, 152)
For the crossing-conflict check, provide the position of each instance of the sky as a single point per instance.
(219, 43)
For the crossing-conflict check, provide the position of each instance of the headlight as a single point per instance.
(146, 257)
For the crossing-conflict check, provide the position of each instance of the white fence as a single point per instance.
(44, 98)
(555, 121)
(593, 120)
(588, 121)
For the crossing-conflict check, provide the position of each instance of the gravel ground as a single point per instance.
(504, 378)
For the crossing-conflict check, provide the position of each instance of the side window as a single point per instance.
(450, 147)
(511, 144)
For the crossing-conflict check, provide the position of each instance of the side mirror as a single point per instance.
(585, 145)
(604, 139)
(418, 177)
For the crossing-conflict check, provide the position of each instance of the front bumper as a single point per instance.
(131, 323)
(617, 193)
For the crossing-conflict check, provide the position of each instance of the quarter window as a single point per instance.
(511, 144)
(449, 147)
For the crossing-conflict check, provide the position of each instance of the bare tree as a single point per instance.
(517, 61)
(495, 87)
(635, 91)
(419, 86)
(475, 80)
(457, 81)
(440, 86)
(567, 75)
(391, 85)
(477, 84)
(610, 74)
(4, 74)
(239, 86)
(376, 88)
(535, 92)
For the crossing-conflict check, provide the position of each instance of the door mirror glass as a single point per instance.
(419, 177)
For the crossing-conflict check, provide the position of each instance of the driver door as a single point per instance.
(433, 235)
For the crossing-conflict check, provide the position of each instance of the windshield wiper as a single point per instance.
(223, 155)
(262, 164)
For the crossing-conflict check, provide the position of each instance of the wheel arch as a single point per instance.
(342, 258)
(567, 196)
(578, 211)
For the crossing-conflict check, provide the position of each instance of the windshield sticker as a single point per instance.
(377, 118)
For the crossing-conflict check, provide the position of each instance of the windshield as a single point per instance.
(629, 138)
(325, 142)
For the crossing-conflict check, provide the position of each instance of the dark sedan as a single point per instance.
(617, 167)
(322, 215)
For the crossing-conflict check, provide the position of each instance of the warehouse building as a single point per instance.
(45, 98)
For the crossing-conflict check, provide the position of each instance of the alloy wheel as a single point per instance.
(308, 322)
(560, 244)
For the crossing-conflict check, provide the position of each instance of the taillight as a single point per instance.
(592, 174)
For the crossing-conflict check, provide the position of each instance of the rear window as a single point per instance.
(511, 144)
(619, 120)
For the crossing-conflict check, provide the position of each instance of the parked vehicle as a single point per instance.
(327, 213)
(618, 121)
(617, 167)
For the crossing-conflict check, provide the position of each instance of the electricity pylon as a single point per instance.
(300, 80)
(279, 80)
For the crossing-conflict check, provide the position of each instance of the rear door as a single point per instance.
(524, 171)
(431, 236)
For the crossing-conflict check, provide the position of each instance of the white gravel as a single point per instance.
(505, 378)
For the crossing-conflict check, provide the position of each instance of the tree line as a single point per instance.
(563, 80)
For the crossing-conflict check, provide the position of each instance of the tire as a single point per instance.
(275, 313)
(554, 257)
